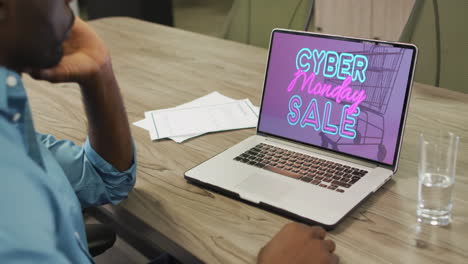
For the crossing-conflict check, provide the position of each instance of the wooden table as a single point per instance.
(160, 67)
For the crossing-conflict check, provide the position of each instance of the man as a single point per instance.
(45, 182)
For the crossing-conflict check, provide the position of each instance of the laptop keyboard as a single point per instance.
(323, 173)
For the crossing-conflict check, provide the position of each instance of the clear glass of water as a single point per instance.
(437, 168)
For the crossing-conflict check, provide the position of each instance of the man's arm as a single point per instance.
(87, 62)
(108, 129)
(103, 170)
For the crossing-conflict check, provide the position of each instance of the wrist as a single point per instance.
(99, 78)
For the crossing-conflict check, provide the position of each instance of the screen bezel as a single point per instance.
(360, 40)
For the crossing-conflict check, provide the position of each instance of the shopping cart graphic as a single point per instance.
(384, 63)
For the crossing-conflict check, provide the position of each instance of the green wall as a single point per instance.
(454, 43)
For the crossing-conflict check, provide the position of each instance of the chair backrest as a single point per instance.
(452, 72)
(251, 21)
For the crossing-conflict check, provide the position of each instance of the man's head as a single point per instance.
(33, 32)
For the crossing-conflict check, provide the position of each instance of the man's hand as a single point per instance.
(298, 243)
(85, 58)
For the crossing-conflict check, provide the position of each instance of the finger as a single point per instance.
(329, 245)
(318, 232)
(43, 75)
(51, 75)
(54, 75)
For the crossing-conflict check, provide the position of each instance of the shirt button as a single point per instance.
(16, 117)
(11, 81)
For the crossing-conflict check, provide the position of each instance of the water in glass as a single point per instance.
(435, 199)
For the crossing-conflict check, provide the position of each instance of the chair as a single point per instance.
(100, 238)
(439, 29)
(251, 21)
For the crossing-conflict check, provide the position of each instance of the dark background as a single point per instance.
(158, 11)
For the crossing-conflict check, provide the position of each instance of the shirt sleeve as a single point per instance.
(94, 180)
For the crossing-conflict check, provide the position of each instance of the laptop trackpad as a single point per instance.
(260, 187)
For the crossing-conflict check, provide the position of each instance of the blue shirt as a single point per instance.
(45, 183)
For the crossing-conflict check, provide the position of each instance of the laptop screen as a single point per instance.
(344, 95)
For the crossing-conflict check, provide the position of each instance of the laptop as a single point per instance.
(329, 132)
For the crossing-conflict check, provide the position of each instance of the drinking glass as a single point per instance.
(437, 168)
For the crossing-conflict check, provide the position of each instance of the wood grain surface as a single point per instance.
(160, 67)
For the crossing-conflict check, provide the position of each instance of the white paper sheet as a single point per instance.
(210, 99)
(144, 123)
(213, 98)
(201, 119)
